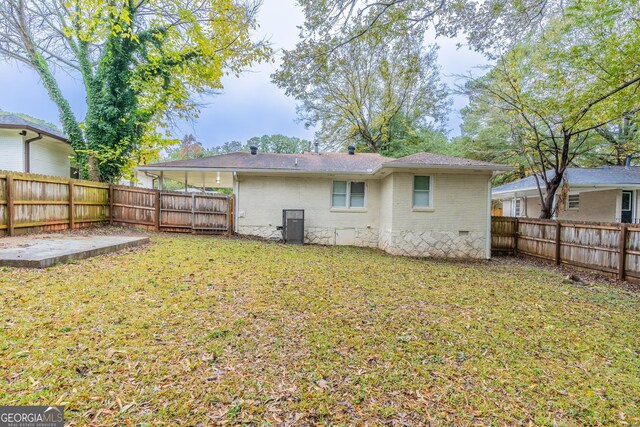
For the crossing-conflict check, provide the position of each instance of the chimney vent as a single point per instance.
(316, 148)
(254, 150)
(627, 161)
(352, 150)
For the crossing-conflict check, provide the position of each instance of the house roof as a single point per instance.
(13, 121)
(581, 177)
(323, 162)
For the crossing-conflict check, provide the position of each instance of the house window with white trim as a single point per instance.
(516, 207)
(348, 194)
(573, 201)
(421, 191)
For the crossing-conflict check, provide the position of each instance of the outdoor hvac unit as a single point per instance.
(293, 226)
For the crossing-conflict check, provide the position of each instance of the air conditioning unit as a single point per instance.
(293, 226)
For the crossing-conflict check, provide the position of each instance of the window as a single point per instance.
(348, 194)
(339, 196)
(356, 195)
(573, 201)
(421, 191)
(626, 200)
(517, 207)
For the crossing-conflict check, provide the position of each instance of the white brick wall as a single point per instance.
(455, 227)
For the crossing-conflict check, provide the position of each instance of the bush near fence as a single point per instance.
(612, 248)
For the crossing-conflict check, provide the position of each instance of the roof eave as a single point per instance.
(249, 170)
(36, 130)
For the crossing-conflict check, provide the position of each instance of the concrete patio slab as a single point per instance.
(45, 251)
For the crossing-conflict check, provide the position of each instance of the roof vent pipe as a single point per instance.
(253, 149)
(352, 150)
(316, 148)
(627, 161)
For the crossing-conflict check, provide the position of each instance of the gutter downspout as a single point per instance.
(27, 152)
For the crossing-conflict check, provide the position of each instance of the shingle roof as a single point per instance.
(441, 160)
(323, 162)
(582, 177)
(327, 162)
(13, 121)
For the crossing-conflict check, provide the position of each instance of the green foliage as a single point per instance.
(143, 64)
(359, 91)
(190, 148)
(201, 330)
(551, 100)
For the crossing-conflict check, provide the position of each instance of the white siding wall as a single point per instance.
(11, 151)
(50, 157)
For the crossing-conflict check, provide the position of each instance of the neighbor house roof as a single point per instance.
(605, 176)
(12, 121)
(322, 162)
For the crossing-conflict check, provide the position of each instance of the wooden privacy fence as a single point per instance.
(172, 210)
(31, 203)
(41, 203)
(612, 248)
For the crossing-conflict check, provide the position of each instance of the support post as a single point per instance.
(10, 199)
(161, 183)
(558, 242)
(230, 201)
(71, 206)
(157, 206)
(622, 252)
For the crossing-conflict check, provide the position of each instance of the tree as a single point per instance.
(279, 144)
(142, 62)
(357, 92)
(189, 148)
(582, 74)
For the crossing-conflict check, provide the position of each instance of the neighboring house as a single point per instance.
(604, 194)
(419, 205)
(141, 180)
(28, 146)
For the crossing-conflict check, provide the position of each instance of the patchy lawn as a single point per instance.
(208, 330)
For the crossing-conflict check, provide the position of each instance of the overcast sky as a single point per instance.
(249, 106)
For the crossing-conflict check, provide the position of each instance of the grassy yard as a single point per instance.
(202, 331)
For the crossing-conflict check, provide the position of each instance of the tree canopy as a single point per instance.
(365, 91)
(143, 64)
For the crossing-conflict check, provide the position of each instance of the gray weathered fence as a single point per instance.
(172, 210)
(612, 248)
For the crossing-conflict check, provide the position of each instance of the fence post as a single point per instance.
(10, 199)
(157, 207)
(622, 252)
(111, 211)
(558, 242)
(71, 206)
(516, 233)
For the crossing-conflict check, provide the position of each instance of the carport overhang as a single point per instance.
(194, 177)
